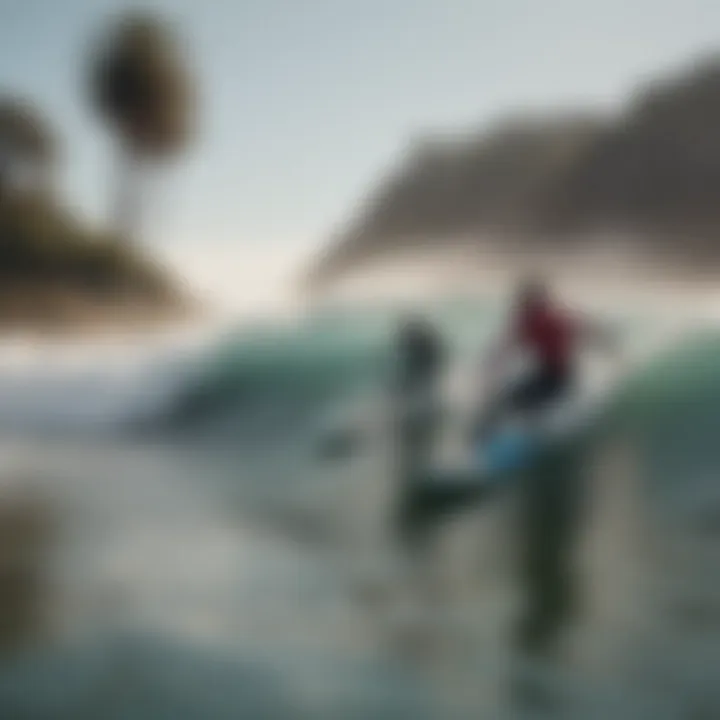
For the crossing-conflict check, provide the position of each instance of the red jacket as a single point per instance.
(549, 334)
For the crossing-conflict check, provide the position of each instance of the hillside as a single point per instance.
(651, 172)
(55, 272)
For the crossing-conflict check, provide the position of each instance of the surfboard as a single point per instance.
(492, 466)
(513, 448)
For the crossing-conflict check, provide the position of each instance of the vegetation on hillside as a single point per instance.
(54, 268)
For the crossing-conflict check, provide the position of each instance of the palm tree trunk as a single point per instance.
(127, 197)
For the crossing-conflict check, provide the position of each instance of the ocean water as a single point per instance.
(209, 561)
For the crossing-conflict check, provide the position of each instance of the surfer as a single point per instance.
(420, 356)
(551, 495)
(413, 392)
(544, 331)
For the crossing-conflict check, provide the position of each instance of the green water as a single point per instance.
(218, 568)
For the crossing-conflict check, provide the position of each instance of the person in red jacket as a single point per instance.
(551, 337)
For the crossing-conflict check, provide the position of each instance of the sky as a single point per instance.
(304, 104)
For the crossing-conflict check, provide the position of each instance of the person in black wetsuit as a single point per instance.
(420, 359)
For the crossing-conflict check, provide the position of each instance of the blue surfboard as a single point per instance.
(494, 462)
(510, 450)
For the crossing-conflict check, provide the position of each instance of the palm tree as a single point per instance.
(27, 147)
(141, 87)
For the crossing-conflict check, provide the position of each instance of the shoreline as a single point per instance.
(612, 275)
(96, 323)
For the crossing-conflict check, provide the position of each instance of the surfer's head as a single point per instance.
(414, 325)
